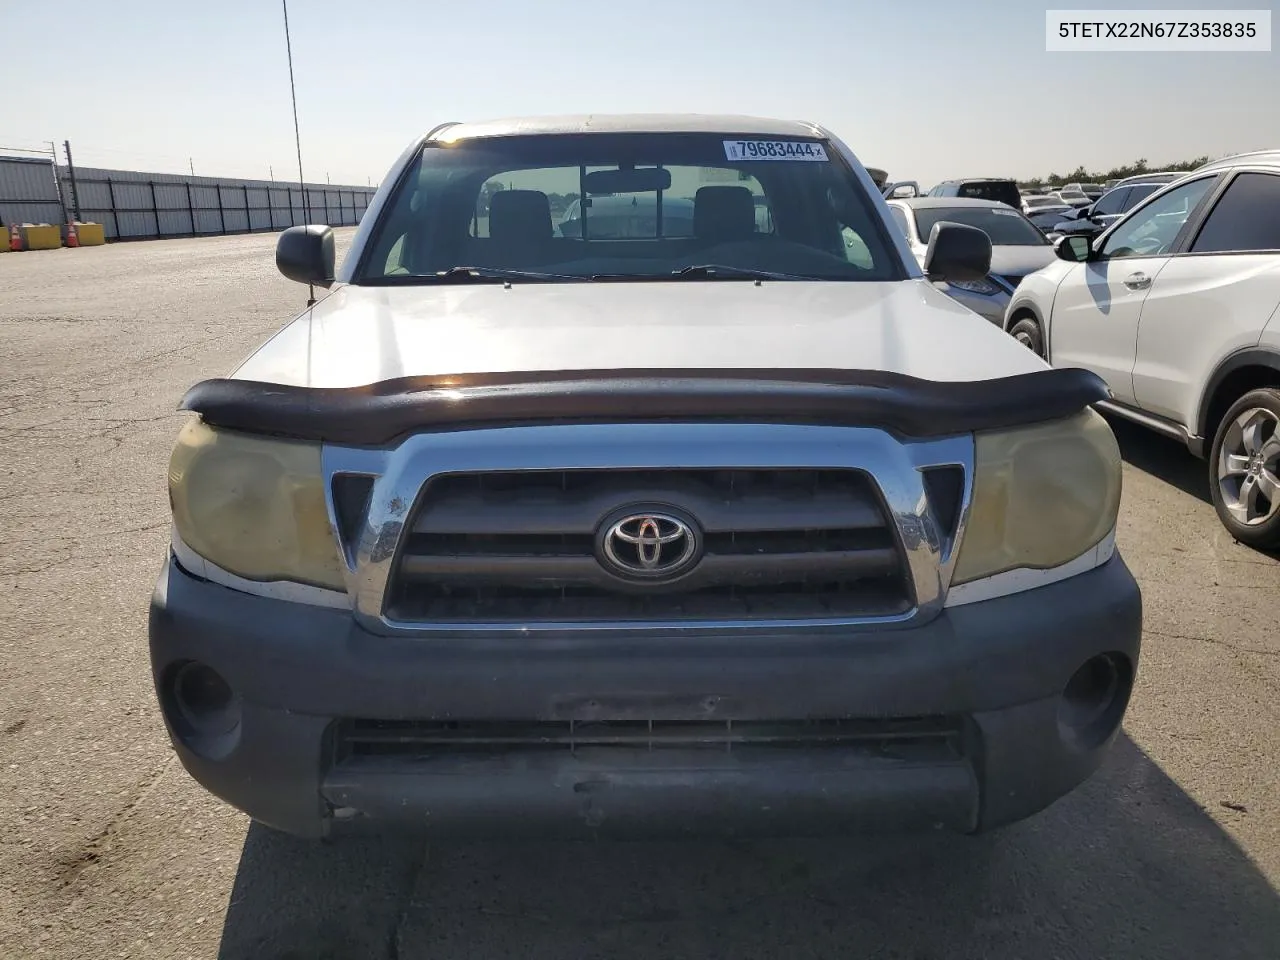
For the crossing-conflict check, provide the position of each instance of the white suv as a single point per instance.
(1176, 307)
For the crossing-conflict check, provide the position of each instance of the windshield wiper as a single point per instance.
(492, 274)
(471, 275)
(712, 271)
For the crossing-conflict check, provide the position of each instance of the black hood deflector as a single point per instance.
(380, 413)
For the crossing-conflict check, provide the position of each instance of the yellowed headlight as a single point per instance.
(1042, 496)
(253, 505)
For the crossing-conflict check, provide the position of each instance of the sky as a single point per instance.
(925, 89)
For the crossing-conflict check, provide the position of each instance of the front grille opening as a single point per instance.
(522, 548)
(945, 489)
(552, 483)
(583, 544)
(907, 738)
(552, 603)
(351, 495)
(500, 544)
(798, 541)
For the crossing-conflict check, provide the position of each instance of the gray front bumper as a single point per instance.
(997, 668)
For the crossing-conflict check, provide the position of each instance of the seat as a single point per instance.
(724, 214)
(519, 216)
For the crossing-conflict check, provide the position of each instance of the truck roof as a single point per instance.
(625, 123)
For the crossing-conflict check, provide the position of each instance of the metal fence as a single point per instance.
(28, 191)
(132, 206)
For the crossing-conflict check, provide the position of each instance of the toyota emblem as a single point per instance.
(649, 546)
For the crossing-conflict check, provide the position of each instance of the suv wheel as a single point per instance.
(1027, 332)
(1244, 469)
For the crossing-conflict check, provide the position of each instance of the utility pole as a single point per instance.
(297, 134)
(326, 178)
(71, 172)
(58, 181)
(191, 164)
(272, 172)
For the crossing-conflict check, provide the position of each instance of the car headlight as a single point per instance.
(254, 506)
(1042, 495)
(984, 286)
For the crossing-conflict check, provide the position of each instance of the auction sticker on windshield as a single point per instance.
(773, 150)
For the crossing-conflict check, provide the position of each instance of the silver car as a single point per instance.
(1018, 247)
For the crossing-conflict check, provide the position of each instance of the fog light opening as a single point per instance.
(203, 701)
(1094, 700)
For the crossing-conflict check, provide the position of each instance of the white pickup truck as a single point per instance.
(642, 528)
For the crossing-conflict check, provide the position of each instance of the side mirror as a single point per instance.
(305, 254)
(1074, 248)
(957, 252)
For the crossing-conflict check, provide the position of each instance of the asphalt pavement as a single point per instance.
(108, 849)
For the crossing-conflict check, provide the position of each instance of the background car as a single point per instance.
(981, 188)
(903, 189)
(1091, 221)
(1046, 219)
(1177, 307)
(1033, 202)
(1091, 190)
(1017, 246)
(1072, 197)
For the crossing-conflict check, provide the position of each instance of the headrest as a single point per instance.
(519, 215)
(724, 213)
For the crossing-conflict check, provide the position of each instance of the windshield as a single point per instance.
(1041, 202)
(1006, 228)
(629, 207)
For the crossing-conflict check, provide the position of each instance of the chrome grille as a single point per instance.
(520, 546)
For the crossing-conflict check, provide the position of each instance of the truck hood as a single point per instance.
(362, 335)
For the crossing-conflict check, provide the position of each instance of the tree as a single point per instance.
(1134, 169)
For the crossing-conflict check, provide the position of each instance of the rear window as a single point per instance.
(1003, 191)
